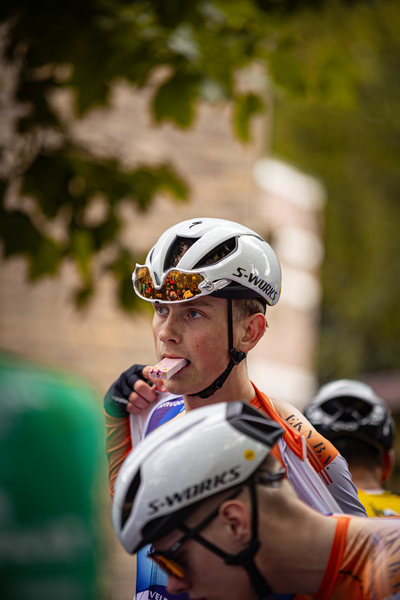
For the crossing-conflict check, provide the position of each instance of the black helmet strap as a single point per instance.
(245, 558)
(236, 357)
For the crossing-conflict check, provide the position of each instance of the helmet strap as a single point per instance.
(245, 558)
(236, 357)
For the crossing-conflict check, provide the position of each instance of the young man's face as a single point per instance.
(195, 330)
(206, 576)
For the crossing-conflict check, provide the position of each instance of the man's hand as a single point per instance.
(132, 392)
(143, 393)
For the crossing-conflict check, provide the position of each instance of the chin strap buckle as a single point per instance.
(236, 355)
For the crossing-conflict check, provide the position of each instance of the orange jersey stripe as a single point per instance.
(320, 451)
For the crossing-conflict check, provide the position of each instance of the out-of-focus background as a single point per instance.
(118, 120)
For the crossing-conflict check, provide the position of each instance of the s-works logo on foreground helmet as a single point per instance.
(197, 491)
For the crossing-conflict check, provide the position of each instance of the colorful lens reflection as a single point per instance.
(169, 566)
(176, 287)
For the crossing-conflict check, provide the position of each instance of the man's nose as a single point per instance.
(176, 586)
(170, 331)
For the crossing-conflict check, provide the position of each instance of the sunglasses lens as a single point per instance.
(169, 566)
(176, 287)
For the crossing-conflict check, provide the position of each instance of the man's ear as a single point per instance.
(236, 520)
(253, 330)
(387, 465)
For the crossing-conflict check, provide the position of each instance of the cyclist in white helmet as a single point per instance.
(359, 423)
(223, 276)
(223, 521)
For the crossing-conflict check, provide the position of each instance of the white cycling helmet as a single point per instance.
(206, 451)
(349, 408)
(225, 259)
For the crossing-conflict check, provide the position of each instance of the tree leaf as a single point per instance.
(246, 106)
(83, 294)
(19, 234)
(288, 73)
(82, 248)
(337, 80)
(46, 260)
(144, 182)
(122, 267)
(175, 99)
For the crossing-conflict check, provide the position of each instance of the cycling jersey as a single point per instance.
(302, 451)
(364, 562)
(323, 456)
(379, 503)
(151, 581)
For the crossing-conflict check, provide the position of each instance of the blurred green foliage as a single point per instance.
(202, 45)
(354, 146)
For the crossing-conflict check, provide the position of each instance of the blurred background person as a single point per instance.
(359, 423)
(51, 449)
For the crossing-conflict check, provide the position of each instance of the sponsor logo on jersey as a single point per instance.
(195, 491)
(317, 443)
(156, 596)
(261, 284)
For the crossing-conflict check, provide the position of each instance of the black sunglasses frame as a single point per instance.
(190, 534)
(169, 555)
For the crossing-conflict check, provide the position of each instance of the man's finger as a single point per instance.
(141, 388)
(158, 383)
(133, 410)
(136, 403)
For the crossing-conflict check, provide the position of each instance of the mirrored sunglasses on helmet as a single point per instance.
(177, 286)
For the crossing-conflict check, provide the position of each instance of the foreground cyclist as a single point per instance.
(224, 522)
(359, 423)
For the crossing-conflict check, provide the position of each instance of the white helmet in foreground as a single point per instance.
(207, 451)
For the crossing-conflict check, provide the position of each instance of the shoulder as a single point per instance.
(320, 451)
(292, 416)
(380, 536)
(298, 423)
(290, 413)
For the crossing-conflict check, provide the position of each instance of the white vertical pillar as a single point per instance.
(290, 212)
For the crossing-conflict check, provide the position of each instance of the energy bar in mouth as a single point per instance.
(167, 367)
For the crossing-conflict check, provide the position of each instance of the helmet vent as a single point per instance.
(347, 408)
(218, 253)
(248, 420)
(177, 249)
(129, 499)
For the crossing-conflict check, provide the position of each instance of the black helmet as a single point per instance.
(348, 408)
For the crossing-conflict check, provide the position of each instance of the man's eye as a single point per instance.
(193, 314)
(160, 310)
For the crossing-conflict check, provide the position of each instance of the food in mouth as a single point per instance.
(167, 367)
